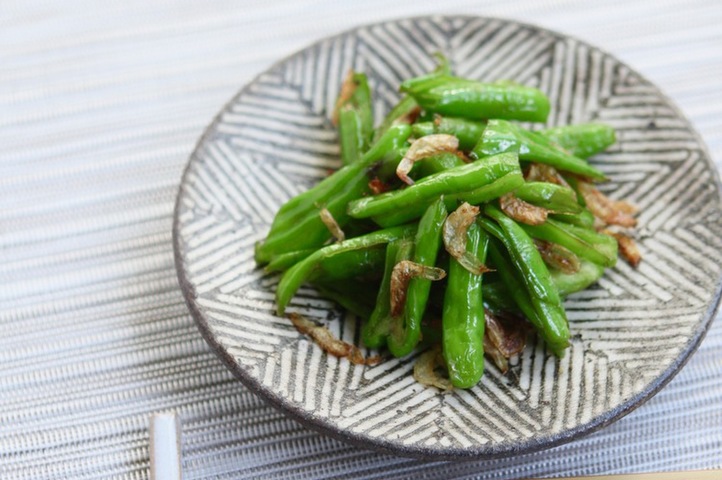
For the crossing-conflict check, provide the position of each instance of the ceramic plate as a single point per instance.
(632, 331)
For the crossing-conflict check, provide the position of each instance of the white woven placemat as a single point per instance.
(100, 105)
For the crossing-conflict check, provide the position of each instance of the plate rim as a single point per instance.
(479, 452)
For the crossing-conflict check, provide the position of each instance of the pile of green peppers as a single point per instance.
(405, 223)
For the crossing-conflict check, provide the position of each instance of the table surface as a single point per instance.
(100, 105)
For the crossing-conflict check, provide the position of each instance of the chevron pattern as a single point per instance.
(275, 139)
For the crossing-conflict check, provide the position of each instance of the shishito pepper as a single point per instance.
(550, 196)
(354, 114)
(547, 312)
(463, 316)
(583, 242)
(467, 131)
(406, 329)
(465, 178)
(582, 140)
(460, 97)
(376, 330)
(497, 188)
(502, 136)
(302, 271)
(298, 225)
(385, 276)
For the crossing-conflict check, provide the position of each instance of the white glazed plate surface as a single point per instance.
(632, 331)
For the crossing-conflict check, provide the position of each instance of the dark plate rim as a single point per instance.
(418, 451)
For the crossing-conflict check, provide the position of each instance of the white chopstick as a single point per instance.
(165, 447)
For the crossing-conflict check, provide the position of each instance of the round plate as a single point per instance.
(632, 331)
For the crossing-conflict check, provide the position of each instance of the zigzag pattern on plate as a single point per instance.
(275, 139)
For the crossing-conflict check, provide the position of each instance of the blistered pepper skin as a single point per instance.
(463, 316)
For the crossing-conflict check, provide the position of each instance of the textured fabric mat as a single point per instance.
(100, 106)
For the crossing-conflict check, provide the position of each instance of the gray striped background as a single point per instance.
(100, 105)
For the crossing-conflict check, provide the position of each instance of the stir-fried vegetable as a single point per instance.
(520, 219)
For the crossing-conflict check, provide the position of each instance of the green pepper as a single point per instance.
(568, 283)
(320, 193)
(435, 164)
(365, 262)
(350, 135)
(463, 316)
(458, 97)
(355, 120)
(497, 188)
(582, 140)
(549, 314)
(500, 299)
(467, 131)
(406, 329)
(465, 178)
(524, 256)
(284, 261)
(354, 295)
(363, 104)
(496, 295)
(549, 196)
(552, 327)
(375, 332)
(502, 136)
(584, 218)
(360, 262)
(302, 271)
(298, 226)
(585, 243)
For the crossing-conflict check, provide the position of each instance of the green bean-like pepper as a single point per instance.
(463, 316)
(467, 131)
(459, 97)
(524, 256)
(355, 119)
(505, 184)
(538, 314)
(351, 263)
(435, 164)
(298, 224)
(406, 329)
(499, 298)
(545, 300)
(295, 276)
(585, 243)
(465, 178)
(502, 136)
(386, 169)
(549, 196)
(354, 295)
(496, 296)
(319, 194)
(309, 230)
(584, 218)
(284, 261)
(363, 104)
(568, 283)
(350, 135)
(375, 332)
(364, 262)
(496, 189)
(582, 140)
